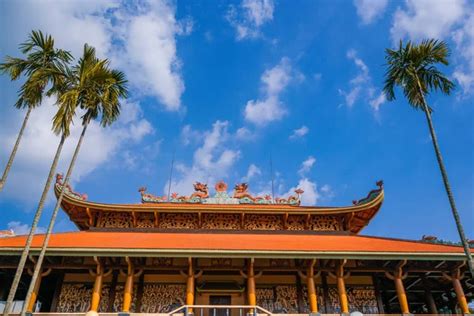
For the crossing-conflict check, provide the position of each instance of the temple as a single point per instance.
(233, 253)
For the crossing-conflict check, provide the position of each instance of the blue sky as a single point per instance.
(229, 86)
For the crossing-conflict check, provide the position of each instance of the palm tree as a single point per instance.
(413, 68)
(96, 89)
(45, 67)
(41, 56)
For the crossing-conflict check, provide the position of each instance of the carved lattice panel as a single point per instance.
(220, 221)
(162, 298)
(362, 299)
(178, 221)
(325, 223)
(115, 220)
(334, 306)
(145, 220)
(296, 222)
(265, 298)
(263, 222)
(281, 299)
(76, 298)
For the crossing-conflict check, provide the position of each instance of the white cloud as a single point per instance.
(270, 108)
(361, 85)
(249, 17)
(148, 53)
(139, 39)
(299, 132)
(252, 171)
(23, 229)
(369, 10)
(307, 165)
(310, 188)
(244, 134)
(464, 39)
(212, 161)
(378, 101)
(426, 18)
(38, 146)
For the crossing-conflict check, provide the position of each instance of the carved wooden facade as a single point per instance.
(217, 221)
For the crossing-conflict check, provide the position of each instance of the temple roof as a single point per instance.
(229, 244)
(355, 216)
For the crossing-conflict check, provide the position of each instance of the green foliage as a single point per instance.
(93, 87)
(43, 65)
(412, 68)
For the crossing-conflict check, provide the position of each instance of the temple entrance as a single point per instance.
(220, 300)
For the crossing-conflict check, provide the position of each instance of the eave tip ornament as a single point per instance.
(67, 188)
(239, 196)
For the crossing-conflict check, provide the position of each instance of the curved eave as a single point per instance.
(357, 216)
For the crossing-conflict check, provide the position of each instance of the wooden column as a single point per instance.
(128, 289)
(251, 292)
(455, 278)
(97, 289)
(397, 276)
(251, 276)
(341, 286)
(190, 276)
(34, 295)
(309, 278)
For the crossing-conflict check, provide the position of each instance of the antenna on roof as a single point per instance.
(271, 172)
(171, 173)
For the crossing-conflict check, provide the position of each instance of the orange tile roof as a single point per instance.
(230, 242)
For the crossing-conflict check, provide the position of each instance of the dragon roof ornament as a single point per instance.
(239, 196)
(67, 188)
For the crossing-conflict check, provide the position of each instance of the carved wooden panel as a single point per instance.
(76, 298)
(220, 221)
(162, 298)
(265, 298)
(362, 299)
(263, 222)
(178, 221)
(281, 299)
(296, 222)
(325, 223)
(145, 220)
(115, 220)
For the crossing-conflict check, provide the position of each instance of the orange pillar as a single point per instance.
(252, 297)
(190, 285)
(312, 296)
(402, 296)
(341, 288)
(460, 295)
(128, 289)
(96, 291)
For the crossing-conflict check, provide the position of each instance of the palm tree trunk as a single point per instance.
(39, 262)
(447, 186)
(29, 240)
(15, 148)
